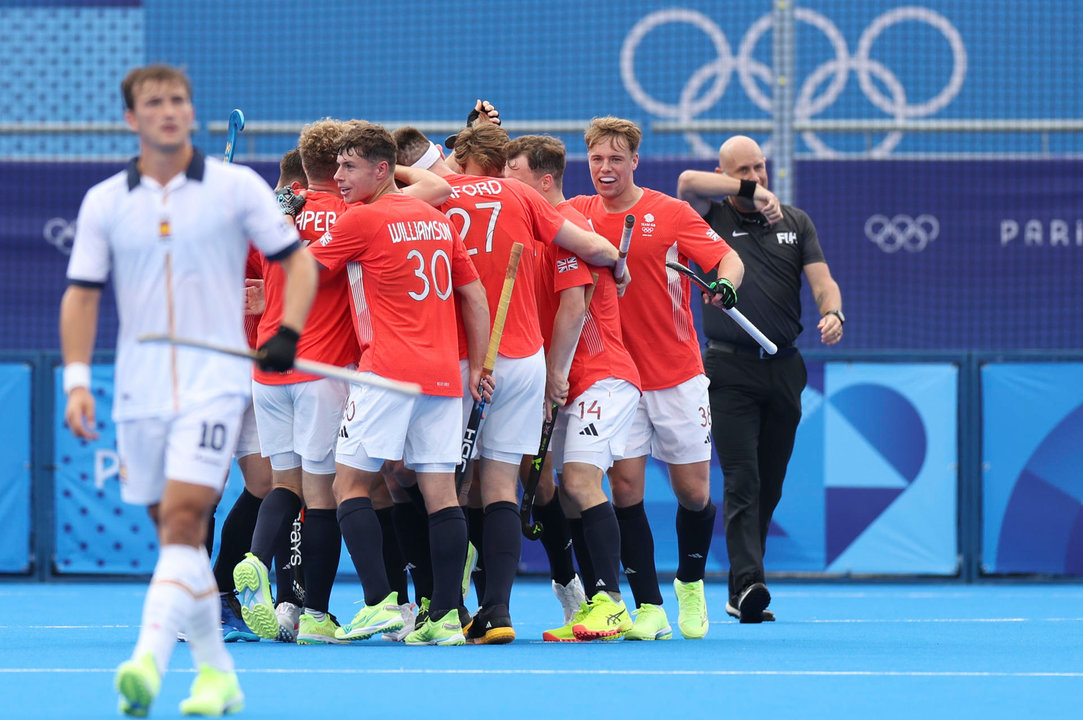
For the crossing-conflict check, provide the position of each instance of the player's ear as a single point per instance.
(635, 161)
(296, 187)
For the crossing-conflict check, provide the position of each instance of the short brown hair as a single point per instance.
(544, 154)
(411, 144)
(318, 146)
(483, 143)
(151, 73)
(367, 140)
(617, 130)
(291, 170)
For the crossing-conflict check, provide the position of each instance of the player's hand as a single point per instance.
(767, 203)
(255, 301)
(482, 386)
(623, 282)
(278, 353)
(483, 110)
(830, 328)
(556, 391)
(725, 295)
(290, 202)
(79, 414)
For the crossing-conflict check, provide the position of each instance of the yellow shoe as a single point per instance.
(214, 693)
(692, 616)
(138, 681)
(607, 619)
(651, 624)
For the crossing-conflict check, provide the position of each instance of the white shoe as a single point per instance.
(409, 615)
(289, 617)
(571, 597)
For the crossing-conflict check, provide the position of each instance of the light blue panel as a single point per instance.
(15, 467)
(908, 414)
(96, 532)
(1030, 475)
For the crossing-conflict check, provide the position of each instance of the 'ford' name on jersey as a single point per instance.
(415, 230)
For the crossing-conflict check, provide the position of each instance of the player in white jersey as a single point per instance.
(173, 229)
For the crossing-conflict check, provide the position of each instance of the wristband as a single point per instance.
(748, 189)
(76, 374)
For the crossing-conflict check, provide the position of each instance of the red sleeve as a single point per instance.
(342, 242)
(697, 240)
(544, 218)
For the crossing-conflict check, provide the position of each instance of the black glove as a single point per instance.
(277, 354)
(725, 288)
(291, 204)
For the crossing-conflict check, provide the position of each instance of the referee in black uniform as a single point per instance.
(755, 397)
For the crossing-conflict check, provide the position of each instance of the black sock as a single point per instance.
(637, 554)
(288, 566)
(447, 543)
(503, 545)
(412, 532)
(322, 545)
(394, 567)
(582, 554)
(694, 532)
(236, 538)
(557, 540)
(276, 513)
(602, 537)
(361, 531)
(475, 532)
(414, 491)
(208, 539)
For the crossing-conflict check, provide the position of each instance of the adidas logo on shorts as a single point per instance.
(589, 430)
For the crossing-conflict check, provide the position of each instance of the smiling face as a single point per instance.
(359, 179)
(612, 168)
(161, 114)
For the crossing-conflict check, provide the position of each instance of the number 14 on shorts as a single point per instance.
(594, 409)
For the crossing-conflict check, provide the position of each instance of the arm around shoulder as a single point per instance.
(698, 188)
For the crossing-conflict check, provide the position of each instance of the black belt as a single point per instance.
(750, 350)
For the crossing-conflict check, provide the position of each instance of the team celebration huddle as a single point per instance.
(449, 354)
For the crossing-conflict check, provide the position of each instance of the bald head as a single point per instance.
(740, 157)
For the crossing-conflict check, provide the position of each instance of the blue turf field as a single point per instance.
(837, 651)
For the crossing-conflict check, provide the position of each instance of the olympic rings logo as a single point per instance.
(754, 75)
(59, 233)
(902, 231)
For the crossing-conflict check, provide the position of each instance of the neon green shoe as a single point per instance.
(565, 633)
(138, 681)
(651, 624)
(371, 620)
(692, 616)
(607, 619)
(311, 631)
(254, 594)
(443, 631)
(214, 693)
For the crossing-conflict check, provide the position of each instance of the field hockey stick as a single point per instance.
(311, 367)
(477, 413)
(534, 530)
(769, 347)
(236, 124)
(622, 249)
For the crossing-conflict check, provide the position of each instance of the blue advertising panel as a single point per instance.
(1032, 488)
(15, 467)
(938, 255)
(891, 468)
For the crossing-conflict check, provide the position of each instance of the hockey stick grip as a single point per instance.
(622, 249)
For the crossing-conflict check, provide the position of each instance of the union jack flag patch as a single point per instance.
(567, 264)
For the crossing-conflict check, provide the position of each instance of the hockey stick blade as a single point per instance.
(311, 367)
(236, 124)
(769, 347)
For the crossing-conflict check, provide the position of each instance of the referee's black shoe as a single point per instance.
(491, 626)
(751, 604)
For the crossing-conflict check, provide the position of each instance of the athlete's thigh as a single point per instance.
(598, 422)
(681, 417)
(514, 418)
(201, 440)
(318, 406)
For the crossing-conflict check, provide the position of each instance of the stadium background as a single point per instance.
(936, 145)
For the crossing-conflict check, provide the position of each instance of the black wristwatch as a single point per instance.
(838, 314)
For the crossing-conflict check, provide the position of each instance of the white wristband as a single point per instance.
(76, 374)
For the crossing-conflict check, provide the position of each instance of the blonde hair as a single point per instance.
(618, 131)
(318, 144)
